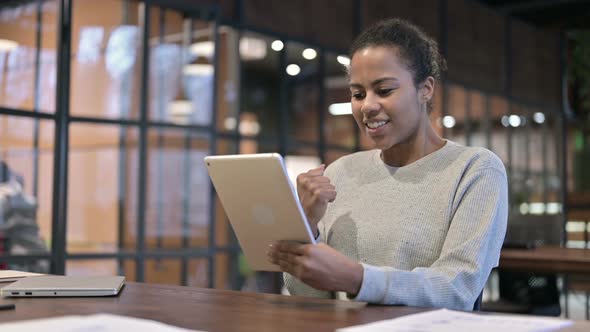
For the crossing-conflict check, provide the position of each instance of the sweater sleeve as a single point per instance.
(470, 250)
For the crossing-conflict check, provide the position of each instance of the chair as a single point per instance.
(529, 292)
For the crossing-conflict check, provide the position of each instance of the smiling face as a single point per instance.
(386, 104)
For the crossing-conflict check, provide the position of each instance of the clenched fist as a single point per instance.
(315, 192)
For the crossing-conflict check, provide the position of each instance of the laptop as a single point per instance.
(260, 202)
(59, 286)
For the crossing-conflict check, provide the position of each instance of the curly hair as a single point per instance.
(418, 51)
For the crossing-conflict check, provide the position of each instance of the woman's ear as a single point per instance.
(426, 89)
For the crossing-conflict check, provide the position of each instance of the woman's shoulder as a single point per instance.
(475, 157)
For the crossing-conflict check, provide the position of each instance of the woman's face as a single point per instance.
(385, 102)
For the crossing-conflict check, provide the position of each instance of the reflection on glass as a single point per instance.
(178, 191)
(181, 70)
(223, 236)
(197, 273)
(163, 271)
(22, 84)
(105, 47)
(303, 92)
(252, 48)
(25, 218)
(498, 109)
(553, 160)
(519, 139)
(99, 167)
(222, 277)
(260, 85)
(120, 53)
(537, 144)
(19, 77)
(89, 46)
(479, 118)
(165, 79)
(457, 108)
(339, 125)
(99, 267)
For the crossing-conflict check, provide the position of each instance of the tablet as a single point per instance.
(260, 202)
(58, 286)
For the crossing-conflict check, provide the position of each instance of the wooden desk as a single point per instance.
(551, 259)
(216, 310)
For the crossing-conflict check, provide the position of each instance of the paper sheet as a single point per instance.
(92, 323)
(11, 275)
(444, 320)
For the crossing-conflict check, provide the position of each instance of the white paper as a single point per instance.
(444, 320)
(92, 323)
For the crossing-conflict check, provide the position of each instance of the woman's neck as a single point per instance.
(421, 144)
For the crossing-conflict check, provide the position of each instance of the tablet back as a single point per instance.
(260, 202)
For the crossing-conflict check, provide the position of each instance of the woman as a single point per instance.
(418, 221)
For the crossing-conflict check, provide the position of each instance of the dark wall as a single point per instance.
(476, 46)
(424, 13)
(476, 35)
(535, 64)
(326, 22)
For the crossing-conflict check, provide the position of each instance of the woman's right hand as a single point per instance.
(315, 192)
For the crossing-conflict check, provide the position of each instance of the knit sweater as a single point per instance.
(427, 234)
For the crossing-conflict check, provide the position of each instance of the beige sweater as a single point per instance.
(427, 234)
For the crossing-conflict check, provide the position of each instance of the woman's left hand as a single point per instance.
(318, 265)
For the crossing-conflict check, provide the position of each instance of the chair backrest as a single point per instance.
(538, 292)
(534, 229)
(477, 304)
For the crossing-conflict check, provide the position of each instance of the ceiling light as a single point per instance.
(553, 208)
(309, 53)
(180, 107)
(449, 121)
(198, 70)
(205, 49)
(277, 45)
(505, 121)
(252, 48)
(340, 109)
(539, 117)
(7, 45)
(230, 123)
(514, 120)
(249, 128)
(293, 69)
(524, 208)
(343, 60)
(537, 208)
